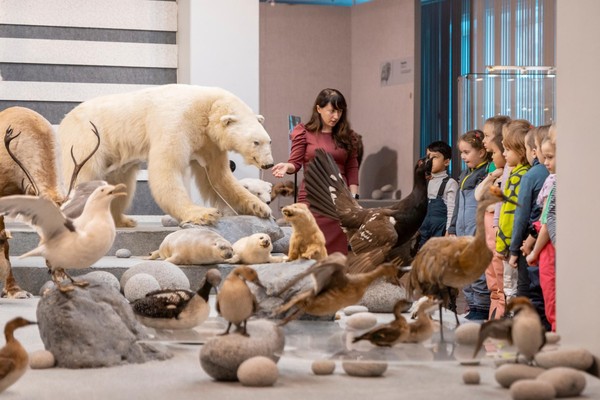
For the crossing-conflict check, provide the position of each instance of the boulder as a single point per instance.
(508, 374)
(168, 275)
(531, 389)
(350, 310)
(568, 382)
(139, 285)
(323, 367)
(578, 358)
(233, 228)
(258, 372)
(102, 277)
(361, 321)
(364, 368)
(123, 253)
(381, 296)
(283, 245)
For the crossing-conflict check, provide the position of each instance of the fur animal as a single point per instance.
(176, 129)
(283, 189)
(307, 240)
(258, 187)
(193, 246)
(254, 249)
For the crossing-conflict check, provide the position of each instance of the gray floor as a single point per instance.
(182, 377)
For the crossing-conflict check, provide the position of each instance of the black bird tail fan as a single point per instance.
(324, 182)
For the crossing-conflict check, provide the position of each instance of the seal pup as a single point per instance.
(193, 246)
(254, 249)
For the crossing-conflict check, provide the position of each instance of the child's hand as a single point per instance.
(532, 259)
(512, 261)
(528, 244)
(497, 173)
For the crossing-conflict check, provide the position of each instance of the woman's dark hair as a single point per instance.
(342, 134)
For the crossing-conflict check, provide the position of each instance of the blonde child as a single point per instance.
(476, 158)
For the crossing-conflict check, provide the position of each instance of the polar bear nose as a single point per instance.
(266, 166)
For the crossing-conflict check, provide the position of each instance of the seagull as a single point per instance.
(13, 356)
(68, 243)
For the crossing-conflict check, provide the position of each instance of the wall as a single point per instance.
(578, 275)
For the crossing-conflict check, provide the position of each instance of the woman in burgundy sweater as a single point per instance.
(328, 129)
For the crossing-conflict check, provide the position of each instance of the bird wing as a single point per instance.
(166, 303)
(383, 336)
(37, 211)
(73, 207)
(495, 328)
(7, 365)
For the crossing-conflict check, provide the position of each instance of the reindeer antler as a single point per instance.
(77, 166)
(9, 137)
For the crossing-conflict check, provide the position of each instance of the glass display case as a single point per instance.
(519, 92)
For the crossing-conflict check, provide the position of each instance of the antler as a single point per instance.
(9, 137)
(77, 166)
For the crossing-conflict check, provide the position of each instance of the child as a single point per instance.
(544, 249)
(463, 222)
(441, 192)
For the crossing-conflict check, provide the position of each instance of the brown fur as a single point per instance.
(284, 189)
(307, 240)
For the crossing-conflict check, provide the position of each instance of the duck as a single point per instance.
(334, 288)
(14, 359)
(177, 309)
(389, 334)
(423, 327)
(235, 301)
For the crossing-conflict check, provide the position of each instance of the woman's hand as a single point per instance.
(279, 170)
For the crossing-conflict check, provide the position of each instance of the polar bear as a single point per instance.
(177, 129)
(258, 187)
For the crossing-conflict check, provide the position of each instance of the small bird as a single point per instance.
(375, 235)
(64, 242)
(333, 288)
(177, 308)
(14, 359)
(494, 328)
(235, 301)
(422, 329)
(389, 334)
(445, 264)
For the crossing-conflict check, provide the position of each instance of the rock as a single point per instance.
(283, 245)
(102, 277)
(552, 338)
(168, 221)
(471, 377)
(467, 333)
(323, 367)
(568, 382)
(381, 296)
(508, 374)
(168, 275)
(531, 389)
(376, 194)
(123, 253)
(577, 358)
(233, 228)
(92, 327)
(46, 287)
(361, 321)
(355, 310)
(258, 371)
(364, 368)
(221, 356)
(464, 354)
(139, 285)
(41, 359)
(387, 188)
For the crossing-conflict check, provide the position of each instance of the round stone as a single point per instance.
(168, 275)
(376, 194)
(532, 389)
(382, 296)
(102, 277)
(361, 321)
(168, 221)
(323, 367)
(123, 253)
(258, 371)
(467, 333)
(568, 382)
(350, 310)
(364, 368)
(552, 338)
(471, 377)
(508, 374)
(139, 285)
(41, 359)
(387, 188)
(46, 287)
(578, 358)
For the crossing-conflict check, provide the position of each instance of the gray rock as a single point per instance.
(283, 245)
(168, 275)
(323, 367)
(377, 194)
(387, 188)
(364, 368)
(467, 333)
(531, 389)
(46, 287)
(236, 227)
(102, 277)
(381, 296)
(471, 377)
(221, 356)
(123, 253)
(168, 221)
(578, 358)
(350, 310)
(568, 382)
(139, 285)
(92, 327)
(361, 321)
(508, 374)
(552, 338)
(41, 359)
(258, 372)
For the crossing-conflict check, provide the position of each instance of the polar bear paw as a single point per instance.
(260, 209)
(201, 216)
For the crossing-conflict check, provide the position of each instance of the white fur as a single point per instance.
(174, 128)
(254, 249)
(193, 246)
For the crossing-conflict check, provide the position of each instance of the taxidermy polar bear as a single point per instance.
(258, 187)
(176, 129)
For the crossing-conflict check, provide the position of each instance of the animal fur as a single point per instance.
(254, 249)
(193, 246)
(307, 240)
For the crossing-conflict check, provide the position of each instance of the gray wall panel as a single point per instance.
(52, 111)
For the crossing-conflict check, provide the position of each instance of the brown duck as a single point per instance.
(13, 356)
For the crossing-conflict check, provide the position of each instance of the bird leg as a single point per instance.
(441, 324)
(226, 330)
(242, 328)
(58, 277)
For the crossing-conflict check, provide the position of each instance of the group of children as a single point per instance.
(521, 160)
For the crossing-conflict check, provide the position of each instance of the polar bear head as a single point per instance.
(258, 187)
(235, 127)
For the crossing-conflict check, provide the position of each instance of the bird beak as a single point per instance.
(119, 190)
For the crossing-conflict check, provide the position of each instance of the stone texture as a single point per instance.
(236, 227)
(364, 368)
(508, 374)
(139, 285)
(102, 277)
(123, 253)
(350, 310)
(168, 275)
(41, 359)
(92, 327)
(361, 321)
(221, 356)
(552, 338)
(568, 382)
(283, 245)
(531, 389)
(467, 333)
(578, 358)
(258, 372)
(381, 296)
(323, 367)
(168, 221)
(471, 377)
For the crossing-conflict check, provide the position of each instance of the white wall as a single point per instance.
(578, 80)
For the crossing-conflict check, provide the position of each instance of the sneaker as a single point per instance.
(477, 315)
